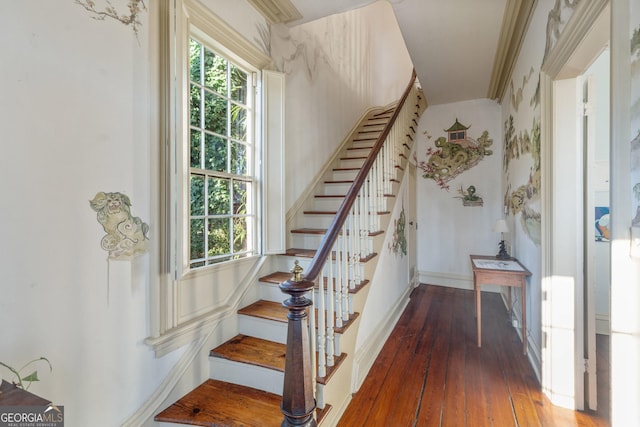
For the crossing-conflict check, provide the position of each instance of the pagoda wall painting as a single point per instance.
(454, 153)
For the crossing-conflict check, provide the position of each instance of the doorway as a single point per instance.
(571, 145)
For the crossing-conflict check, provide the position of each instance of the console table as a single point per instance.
(489, 270)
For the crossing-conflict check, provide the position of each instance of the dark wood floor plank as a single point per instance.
(430, 411)
(454, 408)
(498, 400)
(431, 372)
(406, 364)
(408, 399)
(514, 366)
(474, 374)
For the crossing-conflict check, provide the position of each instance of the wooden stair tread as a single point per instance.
(320, 212)
(252, 350)
(282, 276)
(276, 277)
(310, 230)
(222, 404)
(339, 181)
(301, 252)
(218, 403)
(264, 309)
(310, 253)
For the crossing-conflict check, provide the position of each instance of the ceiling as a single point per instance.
(461, 49)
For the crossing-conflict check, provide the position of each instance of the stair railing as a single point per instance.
(338, 266)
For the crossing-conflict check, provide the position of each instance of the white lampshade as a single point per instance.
(500, 226)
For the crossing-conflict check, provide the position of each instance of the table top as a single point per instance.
(491, 263)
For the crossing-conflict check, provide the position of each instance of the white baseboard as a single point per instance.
(602, 324)
(451, 280)
(367, 354)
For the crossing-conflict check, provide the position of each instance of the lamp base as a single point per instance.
(502, 254)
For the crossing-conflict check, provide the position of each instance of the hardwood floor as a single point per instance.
(431, 373)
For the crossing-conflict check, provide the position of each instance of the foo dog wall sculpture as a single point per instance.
(126, 235)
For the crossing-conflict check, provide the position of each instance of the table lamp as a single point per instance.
(501, 227)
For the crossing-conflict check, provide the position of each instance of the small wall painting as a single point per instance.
(602, 224)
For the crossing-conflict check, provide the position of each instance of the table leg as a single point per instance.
(478, 315)
(524, 315)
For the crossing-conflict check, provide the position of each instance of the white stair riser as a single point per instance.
(316, 221)
(286, 263)
(272, 292)
(247, 375)
(306, 240)
(363, 144)
(336, 188)
(351, 163)
(358, 152)
(344, 175)
(269, 330)
(327, 203)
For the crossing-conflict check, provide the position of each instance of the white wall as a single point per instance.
(391, 277)
(74, 121)
(625, 173)
(449, 232)
(336, 68)
(77, 118)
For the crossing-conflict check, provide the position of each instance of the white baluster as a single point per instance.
(340, 275)
(312, 337)
(345, 275)
(320, 313)
(330, 310)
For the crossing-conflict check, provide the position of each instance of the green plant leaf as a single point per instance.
(31, 377)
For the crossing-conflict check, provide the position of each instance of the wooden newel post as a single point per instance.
(298, 404)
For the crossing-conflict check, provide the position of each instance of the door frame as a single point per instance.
(562, 273)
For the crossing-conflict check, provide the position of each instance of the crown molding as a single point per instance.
(577, 29)
(209, 25)
(276, 11)
(515, 22)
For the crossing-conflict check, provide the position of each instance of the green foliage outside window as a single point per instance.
(220, 181)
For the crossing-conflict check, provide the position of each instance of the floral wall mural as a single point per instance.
(635, 120)
(126, 235)
(522, 198)
(129, 18)
(522, 140)
(454, 154)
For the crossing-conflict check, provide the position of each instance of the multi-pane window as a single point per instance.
(221, 177)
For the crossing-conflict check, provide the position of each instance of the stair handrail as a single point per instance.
(298, 403)
(320, 257)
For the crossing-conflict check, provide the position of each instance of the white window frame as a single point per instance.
(179, 20)
(253, 143)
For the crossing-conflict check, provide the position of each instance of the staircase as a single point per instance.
(247, 371)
